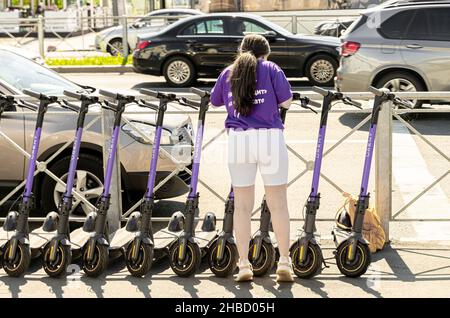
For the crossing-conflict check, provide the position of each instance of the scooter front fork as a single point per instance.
(227, 231)
(21, 227)
(145, 234)
(190, 208)
(263, 232)
(312, 205)
(100, 228)
(356, 235)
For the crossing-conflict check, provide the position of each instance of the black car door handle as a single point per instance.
(414, 46)
(191, 41)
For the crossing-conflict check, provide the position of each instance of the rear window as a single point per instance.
(395, 26)
(356, 24)
(204, 27)
(430, 24)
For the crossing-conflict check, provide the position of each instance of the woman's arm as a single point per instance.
(286, 104)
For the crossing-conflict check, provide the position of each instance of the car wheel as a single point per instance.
(402, 82)
(179, 71)
(321, 70)
(115, 47)
(88, 182)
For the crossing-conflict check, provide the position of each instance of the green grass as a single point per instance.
(92, 60)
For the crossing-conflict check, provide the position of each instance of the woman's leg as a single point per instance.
(276, 197)
(244, 199)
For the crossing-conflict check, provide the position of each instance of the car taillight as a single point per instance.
(143, 44)
(349, 48)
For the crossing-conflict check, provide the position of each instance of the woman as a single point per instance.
(252, 89)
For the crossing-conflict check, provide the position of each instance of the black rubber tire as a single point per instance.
(360, 264)
(144, 262)
(265, 262)
(90, 163)
(63, 260)
(98, 264)
(21, 261)
(229, 263)
(315, 58)
(411, 78)
(192, 263)
(313, 262)
(193, 74)
(110, 49)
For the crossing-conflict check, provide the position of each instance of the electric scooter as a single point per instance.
(17, 251)
(186, 252)
(136, 238)
(95, 252)
(353, 254)
(305, 253)
(262, 251)
(57, 254)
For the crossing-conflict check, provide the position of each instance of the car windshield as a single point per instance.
(22, 73)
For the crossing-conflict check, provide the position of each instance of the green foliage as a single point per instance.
(92, 60)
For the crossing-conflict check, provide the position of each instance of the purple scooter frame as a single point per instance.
(57, 254)
(306, 255)
(353, 253)
(139, 252)
(95, 253)
(17, 252)
(185, 253)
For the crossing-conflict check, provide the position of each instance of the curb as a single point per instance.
(94, 69)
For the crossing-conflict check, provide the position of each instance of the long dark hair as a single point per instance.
(243, 72)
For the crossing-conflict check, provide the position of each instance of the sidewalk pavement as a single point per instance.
(400, 270)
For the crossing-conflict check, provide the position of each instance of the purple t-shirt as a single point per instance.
(272, 89)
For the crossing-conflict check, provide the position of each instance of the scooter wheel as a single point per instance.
(63, 259)
(359, 265)
(311, 266)
(191, 262)
(266, 260)
(141, 266)
(99, 262)
(226, 266)
(16, 266)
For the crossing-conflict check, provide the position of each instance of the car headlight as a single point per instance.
(137, 129)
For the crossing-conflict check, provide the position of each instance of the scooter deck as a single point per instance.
(38, 239)
(78, 239)
(120, 239)
(204, 238)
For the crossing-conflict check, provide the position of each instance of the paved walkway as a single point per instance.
(398, 271)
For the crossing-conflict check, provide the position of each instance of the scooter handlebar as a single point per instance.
(149, 92)
(28, 105)
(189, 103)
(314, 103)
(73, 95)
(70, 106)
(32, 93)
(320, 91)
(199, 92)
(108, 94)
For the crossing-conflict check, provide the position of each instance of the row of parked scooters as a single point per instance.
(180, 241)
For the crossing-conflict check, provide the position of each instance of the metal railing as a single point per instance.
(383, 159)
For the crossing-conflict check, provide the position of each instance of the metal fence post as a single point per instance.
(40, 31)
(383, 167)
(115, 209)
(294, 24)
(124, 39)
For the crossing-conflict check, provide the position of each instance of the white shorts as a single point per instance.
(253, 148)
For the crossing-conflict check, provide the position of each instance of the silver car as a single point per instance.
(110, 40)
(18, 73)
(404, 46)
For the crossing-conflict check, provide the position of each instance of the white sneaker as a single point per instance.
(245, 273)
(284, 270)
